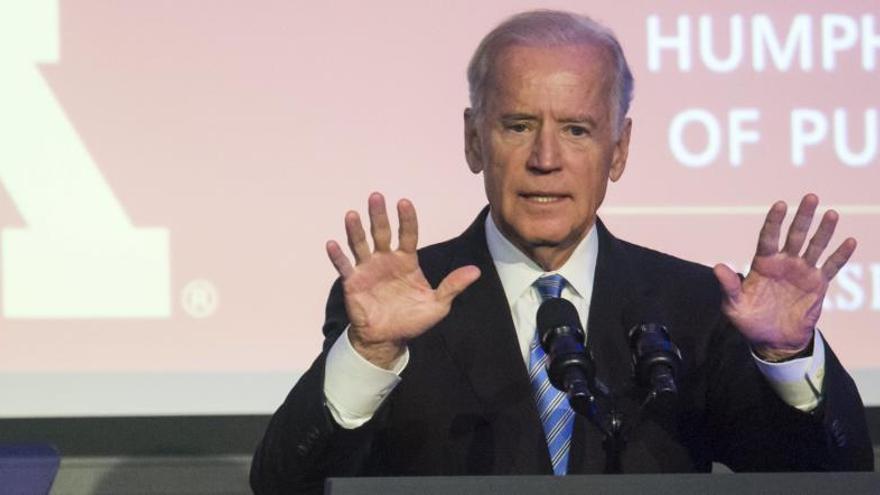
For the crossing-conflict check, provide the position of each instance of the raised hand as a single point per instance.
(387, 297)
(778, 304)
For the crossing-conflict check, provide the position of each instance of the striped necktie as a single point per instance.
(557, 417)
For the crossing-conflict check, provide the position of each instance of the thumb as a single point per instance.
(729, 280)
(456, 282)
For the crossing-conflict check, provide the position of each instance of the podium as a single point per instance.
(627, 484)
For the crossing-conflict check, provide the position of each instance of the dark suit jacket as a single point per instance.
(465, 407)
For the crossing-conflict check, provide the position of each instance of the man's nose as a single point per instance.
(545, 152)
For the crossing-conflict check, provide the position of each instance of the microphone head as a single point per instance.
(562, 338)
(556, 313)
(651, 346)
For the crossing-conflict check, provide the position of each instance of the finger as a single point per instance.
(357, 239)
(797, 232)
(838, 258)
(339, 259)
(456, 282)
(408, 232)
(821, 238)
(768, 239)
(730, 282)
(379, 226)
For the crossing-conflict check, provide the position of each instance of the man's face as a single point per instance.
(546, 146)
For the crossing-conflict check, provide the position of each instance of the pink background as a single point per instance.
(249, 128)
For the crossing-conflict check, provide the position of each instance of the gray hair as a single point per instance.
(550, 28)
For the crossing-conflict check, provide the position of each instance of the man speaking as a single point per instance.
(431, 364)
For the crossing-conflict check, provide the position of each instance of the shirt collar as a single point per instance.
(518, 272)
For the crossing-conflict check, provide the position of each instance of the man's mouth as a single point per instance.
(543, 198)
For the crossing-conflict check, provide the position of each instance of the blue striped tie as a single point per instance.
(557, 417)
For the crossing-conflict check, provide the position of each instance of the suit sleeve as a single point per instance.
(752, 429)
(303, 445)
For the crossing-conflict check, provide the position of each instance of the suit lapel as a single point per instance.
(481, 339)
(613, 291)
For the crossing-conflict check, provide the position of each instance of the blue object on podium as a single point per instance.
(28, 469)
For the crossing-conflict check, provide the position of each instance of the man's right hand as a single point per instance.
(387, 297)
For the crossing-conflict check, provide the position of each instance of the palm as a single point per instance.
(387, 297)
(778, 304)
(774, 283)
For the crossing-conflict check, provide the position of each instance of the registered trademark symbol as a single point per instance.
(199, 298)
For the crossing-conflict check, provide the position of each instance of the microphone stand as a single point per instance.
(603, 416)
(572, 370)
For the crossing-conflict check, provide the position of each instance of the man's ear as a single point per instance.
(472, 148)
(621, 151)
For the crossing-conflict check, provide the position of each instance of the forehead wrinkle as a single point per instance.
(586, 78)
(519, 106)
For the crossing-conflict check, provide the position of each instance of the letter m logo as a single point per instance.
(79, 256)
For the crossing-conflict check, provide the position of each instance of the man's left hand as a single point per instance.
(777, 305)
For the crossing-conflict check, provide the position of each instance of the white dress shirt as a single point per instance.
(354, 388)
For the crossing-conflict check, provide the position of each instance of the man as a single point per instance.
(428, 367)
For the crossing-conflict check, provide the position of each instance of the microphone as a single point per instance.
(656, 360)
(570, 369)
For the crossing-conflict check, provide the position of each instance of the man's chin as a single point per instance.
(543, 242)
(547, 240)
(545, 235)
(540, 234)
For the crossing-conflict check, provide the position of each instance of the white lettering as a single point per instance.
(798, 41)
(848, 279)
(839, 33)
(680, 42)
(841, 132)
(808, 127)
(875, 286)
(677, 129)
(827, 304)
(707, 54)
(870, 43)
(79, 256)
(739, 135)
(771, 46)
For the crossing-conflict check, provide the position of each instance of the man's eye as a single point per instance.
(578, 131)
(519, 128)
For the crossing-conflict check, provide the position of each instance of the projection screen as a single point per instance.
(171, 171)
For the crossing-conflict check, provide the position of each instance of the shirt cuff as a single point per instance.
(354, 388)
(798, 382)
